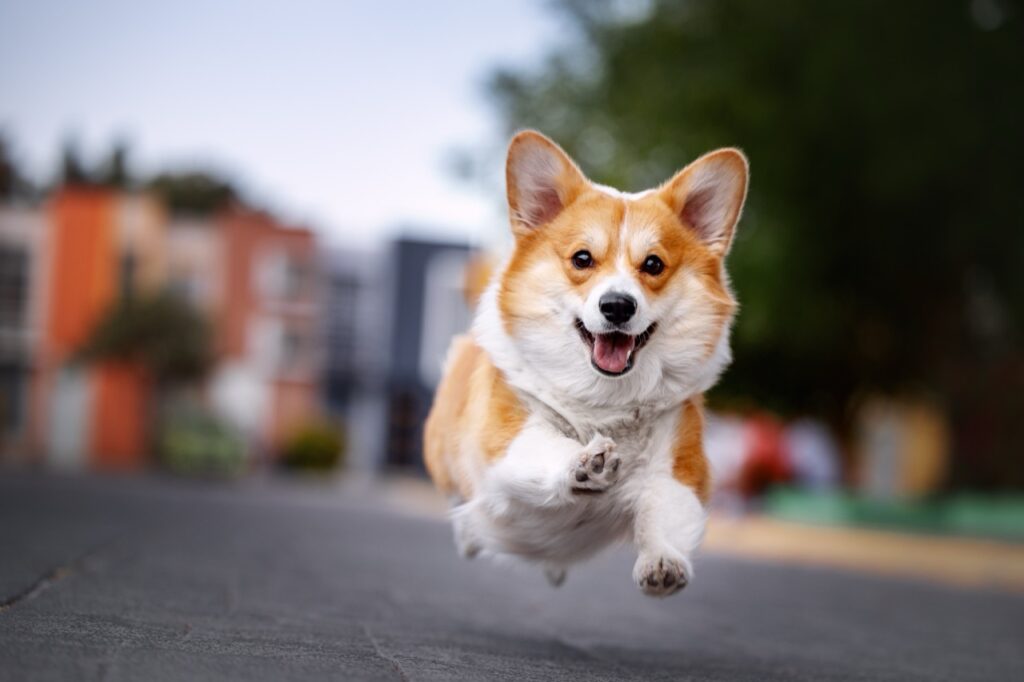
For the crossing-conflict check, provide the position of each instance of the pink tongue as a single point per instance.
(611, 351)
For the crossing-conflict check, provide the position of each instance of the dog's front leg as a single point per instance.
(544, 469)
(541, 471)
(541, 474)
(669, 526)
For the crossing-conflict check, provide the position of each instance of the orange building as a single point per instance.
(23, 231)
(100, 244)
(269, 328)
(255, 279)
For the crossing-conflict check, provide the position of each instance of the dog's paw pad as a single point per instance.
(661, 576)
(597, 467)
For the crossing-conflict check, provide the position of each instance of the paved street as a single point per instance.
(156, 579)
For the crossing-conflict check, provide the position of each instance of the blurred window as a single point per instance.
(11, 384)
(296, 280)
(341, 325)
(282, 276)
(13, 287)
(444, 311)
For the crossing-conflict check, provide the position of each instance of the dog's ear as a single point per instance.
(708, 196)
(541, 181)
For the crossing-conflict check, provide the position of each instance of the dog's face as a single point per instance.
(619, 297)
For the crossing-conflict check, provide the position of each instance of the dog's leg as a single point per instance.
(544, 469)
(668, 528)
(541, 472)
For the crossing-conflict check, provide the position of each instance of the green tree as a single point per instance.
(193, 192)
(883, 244)
(72, 169)
(12, 181)
(162, 332)
(115, 172)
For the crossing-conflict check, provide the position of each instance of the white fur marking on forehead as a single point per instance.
(641, 236)
(623, 231)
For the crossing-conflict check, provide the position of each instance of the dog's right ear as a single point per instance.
(541, 181)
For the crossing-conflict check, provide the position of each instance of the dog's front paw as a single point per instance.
(660, 576)
(597, 467)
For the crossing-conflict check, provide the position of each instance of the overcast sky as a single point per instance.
(338, 114)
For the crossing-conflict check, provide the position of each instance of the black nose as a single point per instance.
(617, 308)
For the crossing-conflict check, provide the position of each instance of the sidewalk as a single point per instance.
(160, 580)
(950, 560)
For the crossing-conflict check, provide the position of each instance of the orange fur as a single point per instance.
(689, 464)
(441, 431)
(505, 413)
(475, 402)
(478, 274)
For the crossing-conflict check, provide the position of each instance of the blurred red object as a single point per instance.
(768, 461)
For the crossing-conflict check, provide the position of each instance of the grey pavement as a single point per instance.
(153, 579)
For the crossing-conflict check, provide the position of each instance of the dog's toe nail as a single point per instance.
(581, 476)
(615, 465)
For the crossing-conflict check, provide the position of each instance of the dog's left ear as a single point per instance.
(541, 179)
(708, 196)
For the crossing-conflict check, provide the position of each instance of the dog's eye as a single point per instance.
(582, 260)
(653, 265)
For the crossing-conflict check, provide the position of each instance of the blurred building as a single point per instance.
(268, 326)
(99, 245)
(64, 265)
(428, 307)
(299, 333)
(391, 316)
(22, 231)
(355, 324)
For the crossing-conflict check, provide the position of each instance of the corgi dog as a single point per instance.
(571, 417)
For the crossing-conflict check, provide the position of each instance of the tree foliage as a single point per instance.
(193, 192)
(162, 332)
(190, 191)
(13, 183)
(883, 244)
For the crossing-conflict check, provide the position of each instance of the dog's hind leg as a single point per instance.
(467, 540)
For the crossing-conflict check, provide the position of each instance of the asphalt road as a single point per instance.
(127, 579)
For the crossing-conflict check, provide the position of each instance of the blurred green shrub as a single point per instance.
(318, 446)
(196, 443)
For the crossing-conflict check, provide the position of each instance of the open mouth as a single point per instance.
(612, 353)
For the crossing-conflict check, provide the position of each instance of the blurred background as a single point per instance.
(234, 237)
